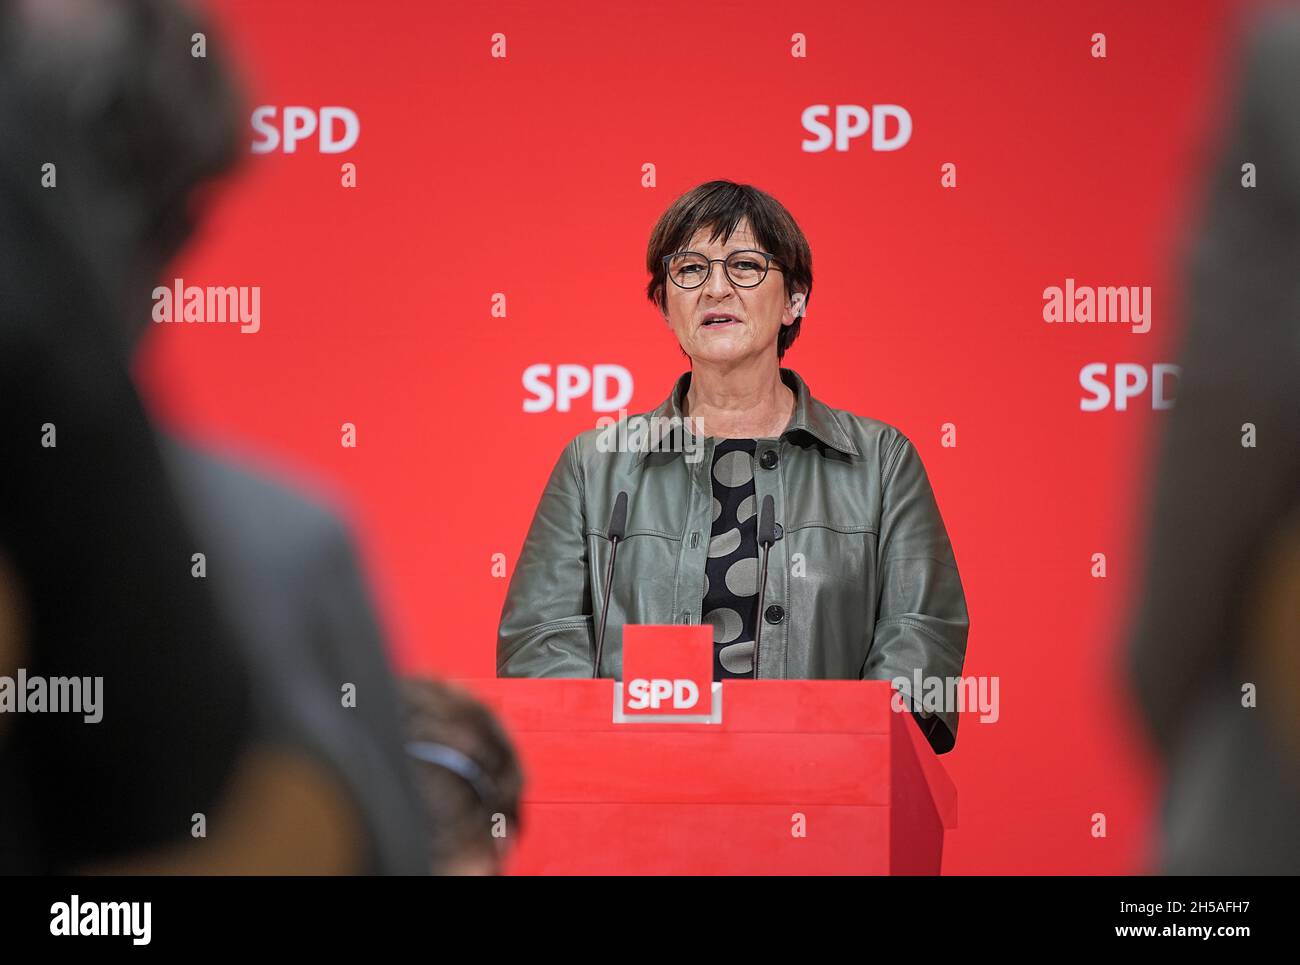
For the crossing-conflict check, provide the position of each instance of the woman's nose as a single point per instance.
(718, 282)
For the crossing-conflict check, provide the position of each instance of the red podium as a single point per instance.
(796, 777)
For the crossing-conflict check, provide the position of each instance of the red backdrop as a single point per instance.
(523, 175)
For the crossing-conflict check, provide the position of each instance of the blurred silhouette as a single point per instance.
(1219, 617)
(135, 125)
(469, 776)
(284, 569)
(95, 581)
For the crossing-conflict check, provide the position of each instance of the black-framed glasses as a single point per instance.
(745, 268)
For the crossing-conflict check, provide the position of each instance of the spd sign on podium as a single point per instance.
(799, 777)
(668, 676)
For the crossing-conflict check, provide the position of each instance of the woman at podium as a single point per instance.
(808, 537)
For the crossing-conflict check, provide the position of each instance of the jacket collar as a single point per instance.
(810, 415)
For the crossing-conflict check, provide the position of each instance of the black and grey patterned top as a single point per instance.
(731, 571)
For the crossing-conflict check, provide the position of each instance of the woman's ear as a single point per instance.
(797, 301)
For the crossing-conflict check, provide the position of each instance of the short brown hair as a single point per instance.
(721, 205)
(461, 804)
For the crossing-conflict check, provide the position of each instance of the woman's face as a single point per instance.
(758, 312)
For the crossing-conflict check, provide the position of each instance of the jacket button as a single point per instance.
(774, 614)
(768, 459)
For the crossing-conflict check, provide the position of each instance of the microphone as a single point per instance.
(617, 527)
(767, 528)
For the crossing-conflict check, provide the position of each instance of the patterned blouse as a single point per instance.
(731, 571)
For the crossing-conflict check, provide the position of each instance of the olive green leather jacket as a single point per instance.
(862, 582)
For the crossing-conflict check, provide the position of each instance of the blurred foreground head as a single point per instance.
(1216, 651)
(468, 775)
(112, 95)
(110, 124)
(90, 531)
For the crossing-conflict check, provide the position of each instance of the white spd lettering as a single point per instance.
(1130, 381)
(851, 122)
(650, 694)
(300, 123)
(610, 387)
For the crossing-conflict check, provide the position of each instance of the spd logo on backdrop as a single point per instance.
(853, 121)
(1130, 380)
(556, 387)
(336, 129)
